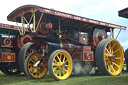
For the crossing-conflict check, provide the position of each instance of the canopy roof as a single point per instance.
(27, 11)
(123, 13)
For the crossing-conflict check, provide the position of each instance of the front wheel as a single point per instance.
(35, 65)
(109, 57)
(60, 65)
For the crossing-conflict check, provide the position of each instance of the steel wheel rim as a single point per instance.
(113, 57)
(62, 65)
(36, 67)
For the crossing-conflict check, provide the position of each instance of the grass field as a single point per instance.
(73, 80)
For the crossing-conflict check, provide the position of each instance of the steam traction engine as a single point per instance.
(63, 43)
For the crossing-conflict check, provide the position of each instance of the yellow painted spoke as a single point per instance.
(63, 59)
(33, 61)
(113, 45)
(116, 51)
(60, 73)
(115, 64)
(117, 58)
(112, 68)
(55, 60)
(66, 65)
(63, 71)
(54, 69)
(107, 63)
(108, 68)
(107, 50)
(57, 72)
(106, 56)
(54, 64)
(30, 65)
(58, 58)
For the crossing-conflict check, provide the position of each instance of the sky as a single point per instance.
(102, 10)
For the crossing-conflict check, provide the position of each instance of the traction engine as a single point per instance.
(62, 43)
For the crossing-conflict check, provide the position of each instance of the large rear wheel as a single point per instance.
(24, 52)
(60, 65)
(109, 57)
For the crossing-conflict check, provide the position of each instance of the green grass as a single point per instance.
(73, 80)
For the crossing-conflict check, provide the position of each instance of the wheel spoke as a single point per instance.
(63, 59)
(66, 65)
(106, 56)
(113, 45)
(115, 64)
(55, 60)
(58, 58)
(116, 51)
(54, 64)
(117, 58)
(63, 71)
(60, 72)
(112, 68)
(107, 63)
(54, 69)
(107, 50)
(57, 72)
(33, 61)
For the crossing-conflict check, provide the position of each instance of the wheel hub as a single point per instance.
(111, 57)
(60, 65)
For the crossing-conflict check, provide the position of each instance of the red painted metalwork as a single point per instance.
(8, 57)
(7, 42)
(88, 56)
(77, 56)
(7, 26)
(83, 56)
(86, 48)
(21, 40)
